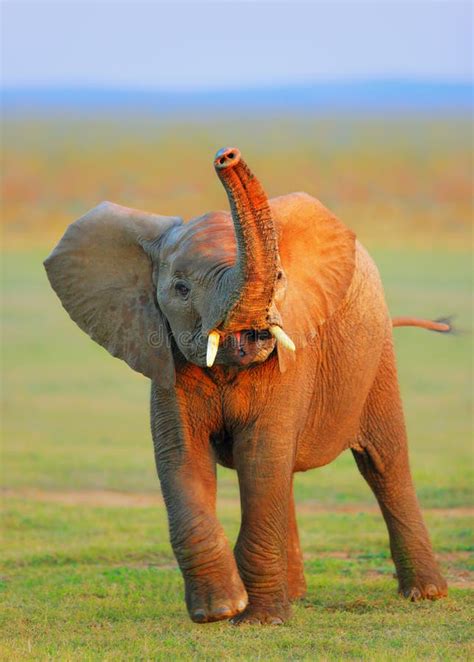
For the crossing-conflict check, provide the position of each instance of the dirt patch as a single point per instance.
(88, 497)
(456, 576)
(118, 499)
(309, 507)
(464, 579)
(335, 555)
(452, 563)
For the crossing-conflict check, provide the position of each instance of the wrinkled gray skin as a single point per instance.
(151, 289)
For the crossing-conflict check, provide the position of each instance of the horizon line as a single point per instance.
(116, 87)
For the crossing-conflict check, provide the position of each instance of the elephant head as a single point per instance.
(222, 288)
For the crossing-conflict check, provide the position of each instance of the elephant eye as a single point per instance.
(182, 289)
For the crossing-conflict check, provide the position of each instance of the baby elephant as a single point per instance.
(268, 343)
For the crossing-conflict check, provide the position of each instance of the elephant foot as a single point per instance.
(263, 615)
(427, 588)
(209, 601)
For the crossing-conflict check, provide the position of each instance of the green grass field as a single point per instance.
(87, 570)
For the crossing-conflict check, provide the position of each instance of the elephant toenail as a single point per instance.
(276, 621)
(431, 591)
(241, 605)
(199, 615)
(223, 611)
(413, 594)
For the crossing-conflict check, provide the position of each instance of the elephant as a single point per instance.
(268, 343)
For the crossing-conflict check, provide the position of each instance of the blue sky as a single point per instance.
(232, 44)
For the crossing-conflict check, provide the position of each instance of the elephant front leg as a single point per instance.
(213, 588)
(186, 468)
(265, 477)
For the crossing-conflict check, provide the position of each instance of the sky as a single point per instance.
(200, 45)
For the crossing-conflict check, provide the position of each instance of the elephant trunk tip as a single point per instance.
(227, 157)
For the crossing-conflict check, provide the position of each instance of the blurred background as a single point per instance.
(365, 105)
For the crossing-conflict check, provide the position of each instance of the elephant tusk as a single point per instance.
(278, 333)
(212, 347)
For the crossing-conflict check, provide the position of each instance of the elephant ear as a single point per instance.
(317, 253)
(104, 279)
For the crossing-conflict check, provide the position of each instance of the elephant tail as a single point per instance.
(442, 325)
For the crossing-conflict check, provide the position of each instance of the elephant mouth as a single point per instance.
(249, 335)
(242, 348)
(246, 346)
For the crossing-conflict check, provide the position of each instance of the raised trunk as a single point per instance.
(251, 283)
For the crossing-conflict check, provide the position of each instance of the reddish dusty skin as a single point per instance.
(254, 276)
(131, 280)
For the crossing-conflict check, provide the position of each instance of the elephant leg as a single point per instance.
(265, 476)
(187, 472)
(296, 580)
(382, 459)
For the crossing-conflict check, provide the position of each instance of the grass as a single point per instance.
(87, 569)
(87, 419)
(100, 583)
(389, 178)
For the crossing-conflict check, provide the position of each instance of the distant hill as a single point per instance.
(368, 96)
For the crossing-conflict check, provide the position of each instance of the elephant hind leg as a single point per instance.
(296, 580)
(382, 458)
